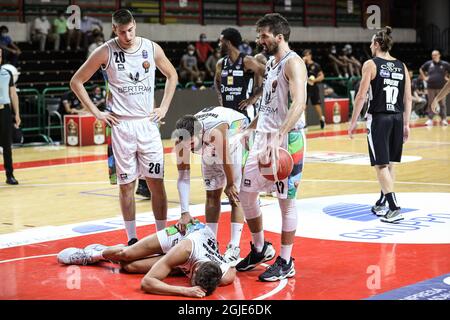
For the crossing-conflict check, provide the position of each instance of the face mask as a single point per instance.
(43, 18)
(191, 52)
(333, 51)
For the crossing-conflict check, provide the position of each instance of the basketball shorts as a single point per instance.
(214, 177)
(138, 150)
(313, 94)
(253, 181)
(385, 137)
(170, 236)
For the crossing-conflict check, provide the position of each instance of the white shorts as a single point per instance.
(253, 181)
(214, 177)
(138, 150)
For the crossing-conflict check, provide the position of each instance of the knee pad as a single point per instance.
(288, 215)
(249, 202)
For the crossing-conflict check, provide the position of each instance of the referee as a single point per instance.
(8, 97)
(387, 117)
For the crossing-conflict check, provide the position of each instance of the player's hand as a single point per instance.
(158, 114)
(351, 129)
(435, 106)
(194, 292)
(18, 121)
(183, 221)
(109, 117)
(232, 194)
(405, 133)
(246, 102)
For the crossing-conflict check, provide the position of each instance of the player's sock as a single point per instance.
(160, 224)
(97, 256)
(258, 240)
(213, 226)
(392, 200)
(130, 226)
(286, 250)
(236, 232)
(382, 200)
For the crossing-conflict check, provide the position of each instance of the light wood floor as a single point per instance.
(63, 194)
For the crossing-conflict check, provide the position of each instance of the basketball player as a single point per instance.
(386, 80)
(194, 252)
(212, 133)
(234, 73)
(440, 96)
(128, 63)
(278, 124)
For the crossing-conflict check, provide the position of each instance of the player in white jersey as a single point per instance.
(129, 63)
(214, 133)
(193, 252)
(278, 124)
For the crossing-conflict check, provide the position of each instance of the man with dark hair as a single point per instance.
(315, 76)
(279, 124)
(435, 72)
(129, 64)
(238, 76)
(195, 252)
(214, 134)
(388, 117)
(8, 99)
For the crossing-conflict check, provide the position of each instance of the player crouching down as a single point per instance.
(195, 253)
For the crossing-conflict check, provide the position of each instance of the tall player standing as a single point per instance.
(278, 124)
(128, 63)
(386, 80)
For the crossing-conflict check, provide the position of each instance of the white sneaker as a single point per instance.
(96, 247)
(429, 123)
(75, 256)
(232, 254)
(444, 123)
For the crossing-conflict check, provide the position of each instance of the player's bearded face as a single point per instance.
(268, 41)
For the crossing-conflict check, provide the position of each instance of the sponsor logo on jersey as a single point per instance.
(224, 73)
(391, 67)
(238, 73)
(247, 183)
(144, 54)
(146, 65)
(120, 67)
(134, 78)
(385, 74)
(397, 76)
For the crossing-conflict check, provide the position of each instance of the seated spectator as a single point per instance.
(418, 94)
(71, 104)
(211, 64)
(98, 98)
(40, 30)
(328, 92)
(60, 31)
(245, 48)
(11, 51)
(98, 41)
(339, 67)
(188, 66)
(202, 49)
(89, 28)
(354, 66)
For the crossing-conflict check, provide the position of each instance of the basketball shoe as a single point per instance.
(254, 257)
(279, 270)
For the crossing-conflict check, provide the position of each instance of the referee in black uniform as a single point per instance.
(388, 115)
(315, 76)
(8, 97)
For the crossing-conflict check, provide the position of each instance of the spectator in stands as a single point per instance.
(354, 66)
(188, 66)
(40, 30)
(328, 92)
(89, 29)
(11, 51)
(211, 64)
(315, 76)
(245, 48)
(203, 49)
(98, 98)
(60, 31)
(98, 41)
(435, 72)
(419, 100)
(339, 66)
(71, 104)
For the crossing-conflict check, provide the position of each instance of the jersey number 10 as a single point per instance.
(391, 94)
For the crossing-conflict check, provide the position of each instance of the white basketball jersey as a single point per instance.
(204, 248)
(130, 78)
(275, 97)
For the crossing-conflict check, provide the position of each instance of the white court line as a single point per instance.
(27, 258)
(274, 291)
(59, 165)
(374, 181)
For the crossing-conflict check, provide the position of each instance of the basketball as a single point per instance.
(283, 168)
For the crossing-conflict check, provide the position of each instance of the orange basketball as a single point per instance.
(283, 168)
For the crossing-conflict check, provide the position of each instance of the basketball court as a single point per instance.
(341, 251)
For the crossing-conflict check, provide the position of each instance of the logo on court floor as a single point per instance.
(349, 218)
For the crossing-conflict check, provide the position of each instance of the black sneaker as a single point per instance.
(254, 258)
(11, 180)
(392, 216)
(279, 270)
(322, 123)
(380, 210)
(132, 241)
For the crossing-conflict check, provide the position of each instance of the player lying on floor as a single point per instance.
(195, 253)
